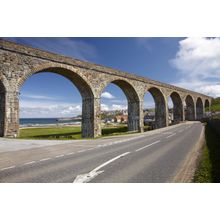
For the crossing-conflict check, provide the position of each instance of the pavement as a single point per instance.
(154, 156)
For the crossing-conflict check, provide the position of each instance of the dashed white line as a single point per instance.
(171, 135)
(167, 133)
(80, 151)
(45, 159)
(58, 156)
(71, 153)
(85, 178)
(7, 168)
(31, 162)
(147, 146)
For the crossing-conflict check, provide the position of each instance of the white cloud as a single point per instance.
(118, 107)
(198, 63)
(107, 95)
(31, 96)
(106, 107)
(30, 109)
(149, 104)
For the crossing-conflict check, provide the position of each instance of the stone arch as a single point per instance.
(64, 70)
(161, 110)
(89, 125)
(189, 108)
(2, 108)
(132, 100)
(199, 109)
(207, 104)
(177, 107)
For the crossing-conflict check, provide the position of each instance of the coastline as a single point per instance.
(57, 125)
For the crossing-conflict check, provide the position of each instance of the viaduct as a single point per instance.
(18, 63)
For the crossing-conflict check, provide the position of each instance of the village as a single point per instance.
(115, 117)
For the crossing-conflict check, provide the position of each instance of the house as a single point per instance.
(121, 118)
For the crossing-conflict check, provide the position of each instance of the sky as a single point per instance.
(191, 63)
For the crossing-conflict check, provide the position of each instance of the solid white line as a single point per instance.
(58, 156)
(31, 162)
(85, 178)
(147, 145)
(171, 135)
(7, 168)
(44, 159)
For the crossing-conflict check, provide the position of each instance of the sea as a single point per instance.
(42, 122)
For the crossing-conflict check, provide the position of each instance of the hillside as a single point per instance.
(215, 104)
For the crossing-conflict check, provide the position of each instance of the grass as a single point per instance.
(215, 107)
(209, 167)
(67, 133)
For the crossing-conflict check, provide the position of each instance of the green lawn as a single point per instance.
(209, 167)
(66, 133)
(215, 107)
(215, 104)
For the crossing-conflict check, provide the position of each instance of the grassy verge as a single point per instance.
(67, 133)
(209, 167)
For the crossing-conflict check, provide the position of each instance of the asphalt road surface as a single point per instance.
(154, 156)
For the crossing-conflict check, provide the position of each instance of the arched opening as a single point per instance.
(160, 113)
(120, 108)
(149, 112)
(207, 108)
(189, 108)
(199, 109)
(81, 111)
(2, 109)
(175, 108)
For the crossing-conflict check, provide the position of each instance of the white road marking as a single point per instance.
(80, 151)
(7, 168)
(147, 145)
(71, 153)
(167, 132)
(45, 159)
(58, 156)
(85, 178)
(171, 135)
(31, 162)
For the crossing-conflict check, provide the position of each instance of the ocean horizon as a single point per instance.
(32, 122)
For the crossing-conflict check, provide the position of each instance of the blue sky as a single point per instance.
(187, 62)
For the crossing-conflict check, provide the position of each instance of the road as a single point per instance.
(155, 156)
